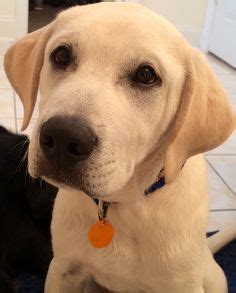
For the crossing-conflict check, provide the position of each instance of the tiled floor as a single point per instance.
(221, 162)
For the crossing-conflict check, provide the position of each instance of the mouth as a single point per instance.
(97, 179)
(65, 183)
(93, 187)
(92, 183)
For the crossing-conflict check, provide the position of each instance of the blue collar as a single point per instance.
(103, 205)
(156, 185)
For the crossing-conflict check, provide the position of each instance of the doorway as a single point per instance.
(43, 12)
(220, 29)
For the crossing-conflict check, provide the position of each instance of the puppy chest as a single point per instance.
(130, 262)
(117, 267)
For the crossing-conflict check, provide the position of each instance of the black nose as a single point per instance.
(67, 140)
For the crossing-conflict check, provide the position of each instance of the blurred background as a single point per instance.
(209, 25)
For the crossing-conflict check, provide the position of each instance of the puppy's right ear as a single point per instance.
(23, 62)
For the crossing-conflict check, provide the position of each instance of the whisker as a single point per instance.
(21, 143)
(23, 160)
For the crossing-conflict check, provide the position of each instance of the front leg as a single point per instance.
(65, 278)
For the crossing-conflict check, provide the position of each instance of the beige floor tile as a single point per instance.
(222, 69)
(221, 197)
(219, 66)
(6, 104)
(226, 74)
(229, 84)
(1, 61)
(232, 98)
(234, 107)
(228, 148)
(221, 220)
(8, 123)
(19, 107)
(20, 110)
(225, 166)
(4, 83)
(4, 45)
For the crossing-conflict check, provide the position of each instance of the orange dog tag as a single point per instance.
(101, 234)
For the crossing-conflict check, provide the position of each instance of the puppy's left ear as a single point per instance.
(204, 120)
(23, 62)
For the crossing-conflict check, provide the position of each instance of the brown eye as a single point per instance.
(61, 56)
(146, 75)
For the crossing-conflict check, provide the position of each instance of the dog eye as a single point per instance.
(145, 74)
(61, 56)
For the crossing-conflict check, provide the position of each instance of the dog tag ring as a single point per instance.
(102, 232)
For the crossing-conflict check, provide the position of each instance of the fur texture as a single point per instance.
(160, 243)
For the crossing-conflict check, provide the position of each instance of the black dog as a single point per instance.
(25, 215)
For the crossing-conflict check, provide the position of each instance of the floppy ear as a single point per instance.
(204, 120)
(23, 62)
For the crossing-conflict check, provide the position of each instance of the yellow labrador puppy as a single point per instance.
(126, 105)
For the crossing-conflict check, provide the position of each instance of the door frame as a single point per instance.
(13, 27)
(22, 17)
(206, 32)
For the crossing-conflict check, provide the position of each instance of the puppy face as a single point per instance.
(117, 78)
(125, 72)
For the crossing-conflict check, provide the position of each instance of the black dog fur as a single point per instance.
(25, 215)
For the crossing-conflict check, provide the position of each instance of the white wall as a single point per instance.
(187, 15)
(7, 18)
(13, 19)
(7, 8)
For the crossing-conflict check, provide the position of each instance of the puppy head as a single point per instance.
(116, 82)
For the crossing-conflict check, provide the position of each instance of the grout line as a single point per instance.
(15, 111)
(220, 176)
(211, 155)
(223, 210)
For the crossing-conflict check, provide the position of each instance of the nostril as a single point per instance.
(74, 149)
(48, 141)
(66, 141)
